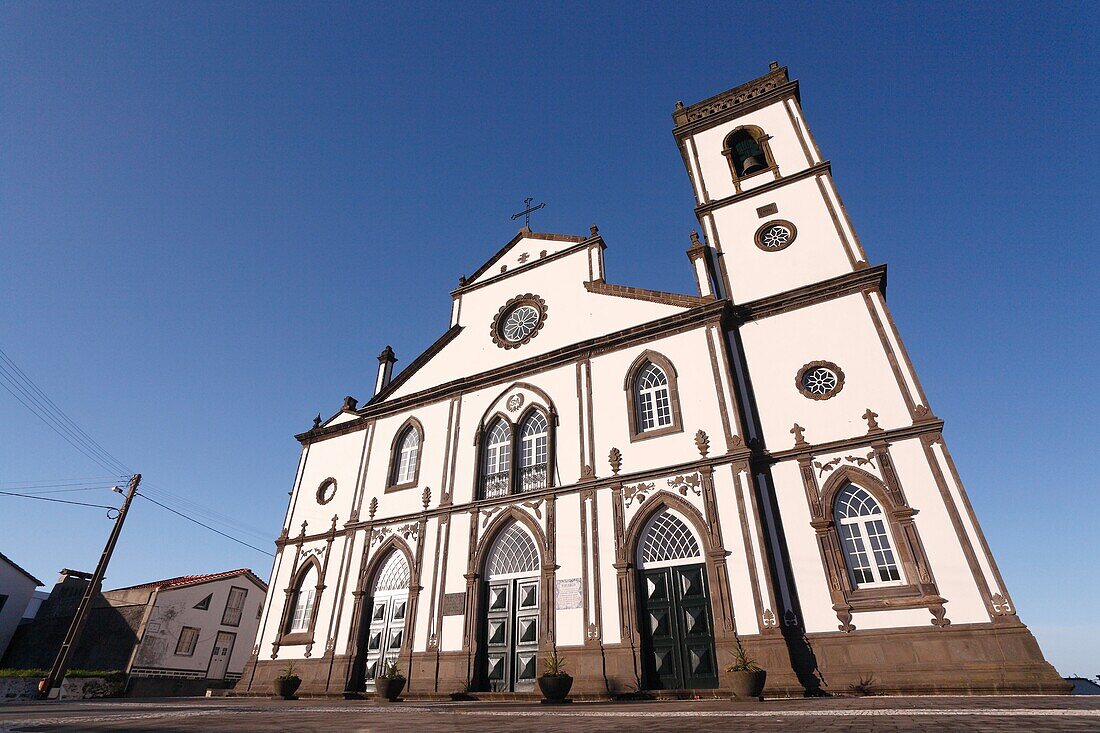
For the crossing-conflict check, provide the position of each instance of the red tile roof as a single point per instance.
(196, 579)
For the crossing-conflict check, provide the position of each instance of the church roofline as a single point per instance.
(524, 233)
(733, 102)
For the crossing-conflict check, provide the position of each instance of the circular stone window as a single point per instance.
(820, 380)
(326, 491)
(518, 321)
(776, 235)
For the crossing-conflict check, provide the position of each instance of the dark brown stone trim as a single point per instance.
(524, 233)
(364, 464)
(852, 259)
(798, 132)
(727, 432)
(414, 366)
(835, 287)
(833, 446)
(758, 239)
(750, 555)
(699, 168)
(822, 167)
(299, 638)
(653, 296)
(535, 301)
(330, 481)
(395, 445)
(733, 103)
(630, 388)
(895, 367)
(844, 210)
(924, 409)
(642, 333)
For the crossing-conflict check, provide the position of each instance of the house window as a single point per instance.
(534, 439)
(204, 604)
(868, 552)
(234, 606)
(304, 597)
(496, 461)
(189, 637)
(654, 404)
(408, 453)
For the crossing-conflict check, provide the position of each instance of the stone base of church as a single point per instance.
(967, 659)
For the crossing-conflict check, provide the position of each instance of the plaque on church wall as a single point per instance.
(567, 593)
(454, 604)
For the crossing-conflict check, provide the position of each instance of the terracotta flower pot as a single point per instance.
(388, 688)
(748, 685)
(285, 687)
(555, 688)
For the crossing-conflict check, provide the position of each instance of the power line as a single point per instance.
(207, 526)
(58, 501)
(87, 438)
(73, 433)
(210, 514)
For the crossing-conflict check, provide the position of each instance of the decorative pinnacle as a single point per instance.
(373, 507)
(461, 280)
(594, 230)
(799, 438)
(615, 458)
(426, 497)
(702, 442)
(872, 423)
(679, 104)
(317, 421)
(350, 403)
(387, 355)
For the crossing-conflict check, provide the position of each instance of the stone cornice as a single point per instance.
(642, 333)
(579, 243)
(814, 170)
(602, 287)
(724, 106)
(854, 282)
(477, 505)
(810, 450)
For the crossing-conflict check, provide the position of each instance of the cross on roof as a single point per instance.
(526, 213)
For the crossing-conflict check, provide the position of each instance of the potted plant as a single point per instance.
(746, 678)
(555, 681)
(287, 683)
(390, 682)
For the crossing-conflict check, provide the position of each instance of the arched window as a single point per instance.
(513, 552)
(534, 438)
(301, 616)
(667, 539)
(408, 455)
(496, 461)
(654, 407)
(868, 551)
(748, 153)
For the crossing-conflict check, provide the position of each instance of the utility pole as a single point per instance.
(52, 683)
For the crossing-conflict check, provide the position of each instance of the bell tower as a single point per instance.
(764, 196)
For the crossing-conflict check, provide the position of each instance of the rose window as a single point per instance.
(520, 323)
(819, 381)
(776, 236)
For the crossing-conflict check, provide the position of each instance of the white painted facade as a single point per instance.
(748, 464)
(16, 591)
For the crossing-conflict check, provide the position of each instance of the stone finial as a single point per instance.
(594, 230)
(799, 438)
(695, 239)
(317, 421)
(679, 104)
(304, 525)
(426, 497)
(387, 355)
(350, 403)
(373, 507)
(615, 458)
(773, 66)
(461, 280)
(872, 423)
(702, 442)
(335, 519)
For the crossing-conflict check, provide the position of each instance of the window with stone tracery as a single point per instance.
(408, 455)
(534, 439)
(496, 475)
(304, 597)
(865, 538)
(513, 552)
(667, 538)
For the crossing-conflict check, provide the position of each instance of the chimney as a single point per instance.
(385, 369)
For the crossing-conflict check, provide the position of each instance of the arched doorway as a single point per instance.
(674, 606)
(389, 603)
(509, 628)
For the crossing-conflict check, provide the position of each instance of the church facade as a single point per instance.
(640, 480)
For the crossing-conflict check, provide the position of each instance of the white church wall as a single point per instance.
(450, 638)
(816, 254)
(839, 331)
(609, 590)
(738, 562)
(569, 621)
(336, 458)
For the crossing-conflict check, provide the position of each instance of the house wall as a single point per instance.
(16, 590)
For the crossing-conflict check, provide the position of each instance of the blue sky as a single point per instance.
(213, 216)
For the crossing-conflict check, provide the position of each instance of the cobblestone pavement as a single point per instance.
(860, 715)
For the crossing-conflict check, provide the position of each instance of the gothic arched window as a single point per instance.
(668, 539)
(534, 441)
(405, 457)
(304, 599)
(865, 537)
(496, 460)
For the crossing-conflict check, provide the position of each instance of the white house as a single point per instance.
(639, 479)
(16, 591)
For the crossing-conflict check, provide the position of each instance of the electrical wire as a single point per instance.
(58, 501)
(209, 514)
(207, 526)
(47, 410)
